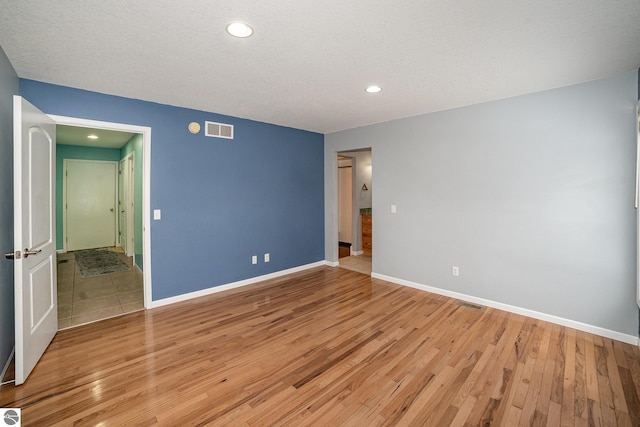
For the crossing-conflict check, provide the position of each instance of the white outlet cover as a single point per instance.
(157, 214)
(254, 259)
(266, 257)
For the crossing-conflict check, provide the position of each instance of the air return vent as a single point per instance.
(218, 130)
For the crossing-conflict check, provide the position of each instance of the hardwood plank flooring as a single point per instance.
(329, 346)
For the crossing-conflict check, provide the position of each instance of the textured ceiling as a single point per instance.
(308, 63)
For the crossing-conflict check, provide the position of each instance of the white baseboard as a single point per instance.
(356, 253)
(228, 286)
(332, 263)
(61, 251)
(597, 330)
(6, 365)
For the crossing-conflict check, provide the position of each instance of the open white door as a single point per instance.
(36, 310)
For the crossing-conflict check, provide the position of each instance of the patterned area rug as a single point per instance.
(93, 262)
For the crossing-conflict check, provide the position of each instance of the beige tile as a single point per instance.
(65, 256)
(64, 323)
(86, 299)
(92, 316)
(127, 284)
(359, 263)
(64, 285)
(82, 293)
(65, 289)
(131, 274)
(102, 279)
(65, 264)
(64, 310)
(129, 297)
(65, 277)
(65, 298)
(134, 306)
(65, 280)
(95, 304)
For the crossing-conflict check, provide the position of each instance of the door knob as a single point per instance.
(28, 252)
(111, 209)
(13, 255)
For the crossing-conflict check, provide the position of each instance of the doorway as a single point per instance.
(98, 280)
(354, 209)
(345, 206)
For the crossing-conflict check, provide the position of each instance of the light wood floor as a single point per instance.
(329, 347)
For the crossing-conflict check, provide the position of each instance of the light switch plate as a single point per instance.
(157, 214)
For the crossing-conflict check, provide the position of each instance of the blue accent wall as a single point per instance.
(8, 87)
(222, 201)
(64, 151)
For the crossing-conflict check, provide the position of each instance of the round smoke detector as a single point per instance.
(194, 127)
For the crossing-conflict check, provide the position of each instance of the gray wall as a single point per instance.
(532, 197)
(8, 88)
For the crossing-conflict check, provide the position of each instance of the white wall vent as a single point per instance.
(218, 130)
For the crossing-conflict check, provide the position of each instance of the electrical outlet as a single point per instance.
(455, 270)
(266, 257)
(254, 259)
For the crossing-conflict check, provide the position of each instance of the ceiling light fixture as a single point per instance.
(92, 136)
(239, 29)
(373, 89)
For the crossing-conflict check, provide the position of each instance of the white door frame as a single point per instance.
(128, 188)
(331, 204)
(146, 185)
(65, 165)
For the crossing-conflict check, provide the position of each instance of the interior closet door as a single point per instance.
(90, 204)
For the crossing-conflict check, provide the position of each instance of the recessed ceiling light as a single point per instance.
(239, 29)
(92, 136)
(373, 89)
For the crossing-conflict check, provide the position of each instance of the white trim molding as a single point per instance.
(597, 330)
(332, 263)
(233, 285)
(146, 185)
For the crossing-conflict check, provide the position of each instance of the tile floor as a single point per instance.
(87, 299)
(359, 263)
